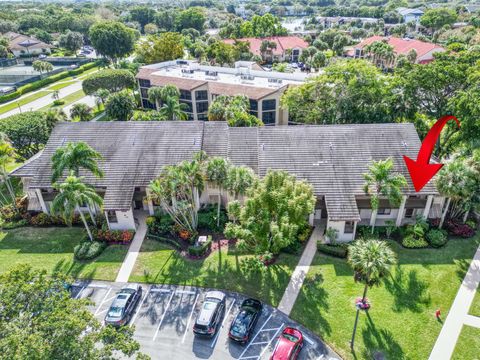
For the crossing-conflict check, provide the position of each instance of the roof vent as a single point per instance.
(404, 144)
(263, 147)
(194, 141)
(330, 145)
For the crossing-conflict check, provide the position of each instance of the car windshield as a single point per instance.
(290, 337)
(115, 312)
(209, 305)
(241, 322)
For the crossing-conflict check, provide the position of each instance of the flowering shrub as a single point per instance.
(114, 236)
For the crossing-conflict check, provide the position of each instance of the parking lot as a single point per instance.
(165, 315)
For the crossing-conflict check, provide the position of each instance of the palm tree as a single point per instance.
(216, 171)
(101, 96)
(155, 95)
(173, 109)
(72, 194)
(73, 157)
(371, 261)
(53, 116)
(239, 179)
(7, 152)
(381, 182)
(81, 111)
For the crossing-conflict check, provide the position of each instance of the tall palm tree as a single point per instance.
(7, 153)
(381, 182)
(101, 96)
(216, 171)
(172, 109)
(239, 179)
(73, 157)
(54, 116)
(371, 261)
(158, 94)
(72, 194)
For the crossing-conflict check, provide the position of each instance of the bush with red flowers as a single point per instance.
(114, 236)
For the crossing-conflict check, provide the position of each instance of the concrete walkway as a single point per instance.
(458, 314)
(301, 270)
(134, 249)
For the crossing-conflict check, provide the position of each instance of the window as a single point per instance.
(269, 105)
(185, 95)
(253, 105)
(144, 83)
(189, 106)
(144, 93)
(349, 226)
(112, 216)
(147, 104)
(295, 52)
(201, 95)
(409, 213)
(384, 211)
(202, 106)
(190, 116)
(268, 117)
(202, 117)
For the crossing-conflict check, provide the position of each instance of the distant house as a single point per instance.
(288, 48)
(410, 15)
(23, 45)
(424, 50)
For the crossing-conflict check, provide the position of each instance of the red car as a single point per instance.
(288, 345)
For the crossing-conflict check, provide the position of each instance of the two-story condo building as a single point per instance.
(200, 84)
(333, 158)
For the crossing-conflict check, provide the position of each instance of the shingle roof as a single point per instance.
(332, 158)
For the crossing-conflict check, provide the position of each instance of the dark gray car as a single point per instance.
(124, 305)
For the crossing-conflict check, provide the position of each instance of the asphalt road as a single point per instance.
(165, 315)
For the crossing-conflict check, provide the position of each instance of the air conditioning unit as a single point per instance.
(247, 77)
(275, 81)
(182, 62)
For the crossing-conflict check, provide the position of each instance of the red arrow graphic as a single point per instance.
(421, 171)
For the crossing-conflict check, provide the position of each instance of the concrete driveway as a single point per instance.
(165, 315)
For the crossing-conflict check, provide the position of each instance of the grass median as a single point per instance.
(24, 101)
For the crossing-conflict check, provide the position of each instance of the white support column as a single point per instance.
(149, 202)
(426, 211)
(310, 218)
(373, 218)
(401, 211)
(40, 199)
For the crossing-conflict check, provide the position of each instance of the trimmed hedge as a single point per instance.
(88, 250)
(14, 224)
(200, 250)
(339, 251)
(46, 81)
(411, 242)
(437, 238)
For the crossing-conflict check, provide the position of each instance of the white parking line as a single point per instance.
(163, 317)
(138, 309)
(259, 343)
(80, 292)
(102, 312)
(223, 322)
(103, 301)
(98, 286)
(190, 318)
(253, 339)
(308, 340)
(188, 292)
(160, 290)
(273, 338)
(271, 329)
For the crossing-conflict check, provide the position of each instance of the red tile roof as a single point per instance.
(283, 43)
(402, 46)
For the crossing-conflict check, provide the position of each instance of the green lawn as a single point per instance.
(401, 323)
(475, 308)
(158, 263)
(75, 96)
(52, 249)
(24, 101)
(468, 345)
